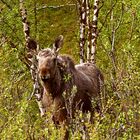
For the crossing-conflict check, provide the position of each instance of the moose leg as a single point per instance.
(60, 115)
(92, 113)
(66, 129)
(87, 107)
(91, 120)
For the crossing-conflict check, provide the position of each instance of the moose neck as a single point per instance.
(54, 86)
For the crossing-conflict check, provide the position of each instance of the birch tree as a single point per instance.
(32, 48)
(94, 32)
(82, 14)
(88, 29)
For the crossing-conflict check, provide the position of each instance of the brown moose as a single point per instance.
(59, 75)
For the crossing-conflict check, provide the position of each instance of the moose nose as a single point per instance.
(45, 77)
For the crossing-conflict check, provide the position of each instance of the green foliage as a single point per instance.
(120, 118)
(67, 77)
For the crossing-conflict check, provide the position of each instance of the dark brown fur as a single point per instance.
(59, 74)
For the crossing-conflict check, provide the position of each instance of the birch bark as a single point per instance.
(31, 47)
(88, 24)
(94, 32)
(82, 11)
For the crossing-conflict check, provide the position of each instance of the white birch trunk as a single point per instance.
(94, 30)
(31, 47)
(82, 30)
(88, 31)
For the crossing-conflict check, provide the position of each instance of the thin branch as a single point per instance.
(9, 7)
(22, 56)
(14, 34)
(55, 7)
(120, 20)
(101, 6)
(107, 16)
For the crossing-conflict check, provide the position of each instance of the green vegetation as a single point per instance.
(20, 119)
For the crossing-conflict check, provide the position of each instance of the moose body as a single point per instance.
(59, 75)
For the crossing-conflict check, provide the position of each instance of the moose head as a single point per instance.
(47, 60)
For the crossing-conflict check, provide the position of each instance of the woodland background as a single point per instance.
(119, 61)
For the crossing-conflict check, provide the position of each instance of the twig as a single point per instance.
(107, 16)
(9, 7)
(55, 7)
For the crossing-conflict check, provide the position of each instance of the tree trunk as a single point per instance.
(31, 48)
(88, 28)
(94, 32)
(82, 11)
(89, 31)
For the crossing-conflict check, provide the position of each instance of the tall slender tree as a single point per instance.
(82, 14)
(32, 48)
(94, 32)
(88, 29)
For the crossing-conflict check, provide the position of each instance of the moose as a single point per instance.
(59, 75)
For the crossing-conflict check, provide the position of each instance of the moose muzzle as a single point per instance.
(45, 77)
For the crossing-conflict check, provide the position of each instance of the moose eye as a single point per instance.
(54, 60)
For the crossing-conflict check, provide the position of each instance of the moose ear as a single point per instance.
(58, 44)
